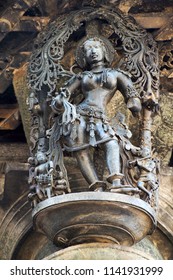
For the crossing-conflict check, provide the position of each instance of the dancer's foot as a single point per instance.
(98, 186)
(124, 189)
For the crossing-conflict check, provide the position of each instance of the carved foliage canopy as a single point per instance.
(139, 49)
(136, 53)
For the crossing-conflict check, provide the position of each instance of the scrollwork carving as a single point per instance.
(136, 76)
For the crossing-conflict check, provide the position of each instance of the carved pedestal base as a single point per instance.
(94, 217)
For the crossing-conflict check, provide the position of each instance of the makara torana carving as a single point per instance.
(68, 106)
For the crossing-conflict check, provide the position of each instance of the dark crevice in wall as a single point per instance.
(13, 136)
(171, 160)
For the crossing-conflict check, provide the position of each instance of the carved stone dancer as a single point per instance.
(148, 181)
(60, 186)
(86, 124)
(42, 181)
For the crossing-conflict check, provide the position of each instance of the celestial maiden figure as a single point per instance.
(86, 124)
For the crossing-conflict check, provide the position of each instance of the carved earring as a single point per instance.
(84, 62)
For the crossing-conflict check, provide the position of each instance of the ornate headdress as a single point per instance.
(107, 48)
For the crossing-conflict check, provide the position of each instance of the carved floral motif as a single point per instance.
(46, 75)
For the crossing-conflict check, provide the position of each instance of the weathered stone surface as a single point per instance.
(22, 91)
(15, 211)
(17, 152)
(102, 251)
(41, 249)
(163, 129)
(165, 212)
(162, 243)
(94, 217)
(156, 246)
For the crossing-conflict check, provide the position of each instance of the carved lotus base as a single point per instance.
(94, 217)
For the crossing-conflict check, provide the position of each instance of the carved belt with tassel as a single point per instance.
(92, 115)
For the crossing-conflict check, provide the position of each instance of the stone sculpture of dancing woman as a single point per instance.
(84, 125)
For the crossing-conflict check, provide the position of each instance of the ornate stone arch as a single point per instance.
(139, 49)
(48, 68)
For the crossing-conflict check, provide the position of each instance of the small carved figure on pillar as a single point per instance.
(41, 178)
(86, 125)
